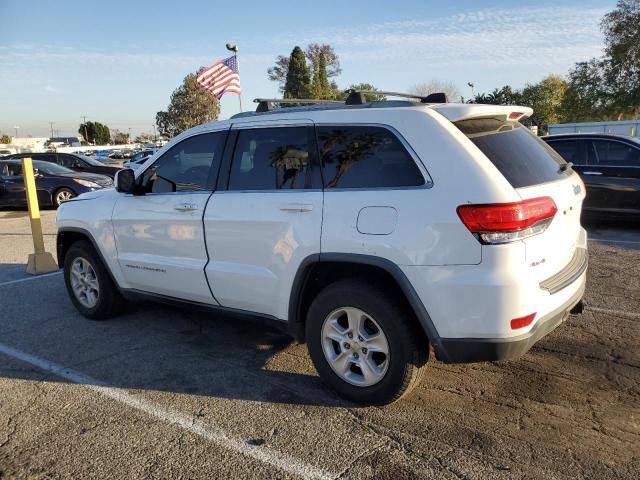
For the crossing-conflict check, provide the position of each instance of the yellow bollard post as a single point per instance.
(40, 261)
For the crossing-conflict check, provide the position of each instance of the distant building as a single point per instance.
(65, 141)
(629, 128)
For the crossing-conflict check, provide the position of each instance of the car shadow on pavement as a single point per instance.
(159, 347)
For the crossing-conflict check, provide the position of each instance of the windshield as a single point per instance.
(51, 168)
(91, 161)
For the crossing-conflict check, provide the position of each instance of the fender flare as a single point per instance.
(296, 324)
(89, 236)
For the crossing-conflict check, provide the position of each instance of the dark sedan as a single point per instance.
(74, 161)
(609, 165)
(55, 184)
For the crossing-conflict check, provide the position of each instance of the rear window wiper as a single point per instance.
(565, 167)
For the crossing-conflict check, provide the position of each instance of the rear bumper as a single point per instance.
(467, 350)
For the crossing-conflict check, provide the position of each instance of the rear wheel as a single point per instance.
(62, 195)
(88, 283)
(364, 343)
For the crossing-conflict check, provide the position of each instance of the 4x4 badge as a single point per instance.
(577, 189)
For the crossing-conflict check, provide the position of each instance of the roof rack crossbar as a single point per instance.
(358, 97)
(266, 104)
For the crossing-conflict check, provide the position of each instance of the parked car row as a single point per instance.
(74, 161)
(55, 184)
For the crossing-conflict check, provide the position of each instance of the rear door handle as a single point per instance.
(592, 173)
(296, 207)
(185, 207)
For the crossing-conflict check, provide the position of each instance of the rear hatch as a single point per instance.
(534, 170)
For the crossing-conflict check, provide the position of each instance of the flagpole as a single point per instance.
(239, 94)
(232, 47)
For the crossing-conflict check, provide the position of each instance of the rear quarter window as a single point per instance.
(520, 156)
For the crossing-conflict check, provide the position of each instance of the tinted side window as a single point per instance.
(617, 153)
(68, 161)
(45, 157)
(364, 156)
(578, 152)
(185, 166)
(272, 159)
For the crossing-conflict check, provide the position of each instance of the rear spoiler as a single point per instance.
(455, 112)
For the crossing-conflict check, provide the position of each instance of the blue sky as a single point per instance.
(118, 62)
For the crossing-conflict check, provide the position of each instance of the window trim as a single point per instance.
(426, 176)
(314, 157)
(210, 183)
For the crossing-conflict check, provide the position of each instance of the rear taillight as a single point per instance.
(508, 222)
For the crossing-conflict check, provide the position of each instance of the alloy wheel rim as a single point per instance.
(63, 196)
(355, 346)
(84, 282)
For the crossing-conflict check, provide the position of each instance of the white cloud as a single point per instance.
(49, 88)
(550, 37)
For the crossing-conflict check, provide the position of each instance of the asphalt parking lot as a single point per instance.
(170, 393)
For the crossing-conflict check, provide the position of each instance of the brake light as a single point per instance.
(522, 322)
(515, 115)
(507, 222)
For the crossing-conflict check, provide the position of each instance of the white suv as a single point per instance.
(372, 231)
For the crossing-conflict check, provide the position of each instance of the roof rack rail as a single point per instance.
(358, 97)
(266, 104)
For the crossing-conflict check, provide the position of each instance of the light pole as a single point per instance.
(16, 129)
(232, 47)
(155, 138)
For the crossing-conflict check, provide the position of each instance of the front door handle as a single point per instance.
(296, 207)
(185, 207)
(592, 173)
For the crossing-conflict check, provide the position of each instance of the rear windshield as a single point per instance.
(522, 158)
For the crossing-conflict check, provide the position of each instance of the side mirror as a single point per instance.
(125, 181)
(36, 172)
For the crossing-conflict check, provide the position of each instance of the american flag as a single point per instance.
(221, 77)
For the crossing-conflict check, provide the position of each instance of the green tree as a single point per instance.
(500, 96)
(298, 82)
(608, 87)
(545, 98)
(5, 139)
(190, 105)
(95, 133)
(621, 28)
(320, 87)
(585, 98)
(278, 72)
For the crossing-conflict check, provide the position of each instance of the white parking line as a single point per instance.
(218, 436)
(617, 313)
(606, 240)
(35, 277)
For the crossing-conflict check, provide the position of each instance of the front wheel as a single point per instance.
(88, 283)
(364, 343)
(62, 195)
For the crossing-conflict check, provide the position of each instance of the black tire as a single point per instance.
(57, 200)
(109, 300)
(408, 349)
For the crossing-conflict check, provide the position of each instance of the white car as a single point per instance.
(371, 231)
